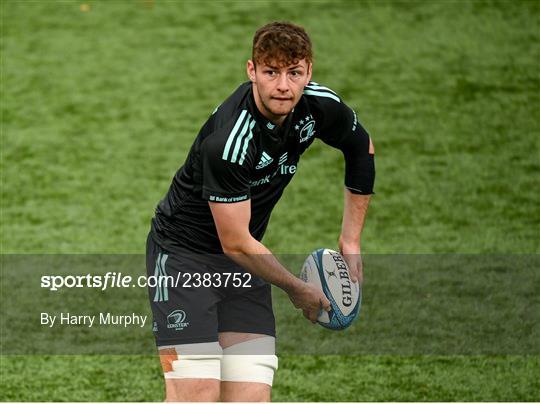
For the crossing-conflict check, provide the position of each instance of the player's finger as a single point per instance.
(325, 303)
(360, 273)
(313, 315)
(352, 264)
(353, 269)
(353, 273)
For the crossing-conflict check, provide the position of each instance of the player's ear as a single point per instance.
(250, 69)
(309, 72)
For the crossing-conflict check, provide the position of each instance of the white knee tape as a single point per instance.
(250, 361)
(192, 361)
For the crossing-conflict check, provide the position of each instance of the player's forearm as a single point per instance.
(259, 260)
(354, 214)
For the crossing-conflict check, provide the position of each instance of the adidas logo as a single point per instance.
(265, 160)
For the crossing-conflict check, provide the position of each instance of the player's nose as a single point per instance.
(283, 84)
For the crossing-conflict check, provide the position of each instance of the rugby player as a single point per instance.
(216, 339)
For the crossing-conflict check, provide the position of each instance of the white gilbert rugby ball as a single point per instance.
(327, 269)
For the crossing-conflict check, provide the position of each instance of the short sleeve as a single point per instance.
(340, 129)
(339, 122)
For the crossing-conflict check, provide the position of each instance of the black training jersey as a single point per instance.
(239, 155)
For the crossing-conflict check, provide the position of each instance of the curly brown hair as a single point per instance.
(281, 42)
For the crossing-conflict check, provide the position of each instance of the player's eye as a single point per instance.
(295, 74)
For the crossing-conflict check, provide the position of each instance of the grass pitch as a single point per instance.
(100, 103)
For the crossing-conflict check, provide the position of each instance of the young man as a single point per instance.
(215, 332)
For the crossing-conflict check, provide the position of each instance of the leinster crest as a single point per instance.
(306, 127)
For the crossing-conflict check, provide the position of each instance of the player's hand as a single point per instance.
(309, 299)
(351, 254)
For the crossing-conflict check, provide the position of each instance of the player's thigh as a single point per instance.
(230, 338)
(246, 334)
(247, 366)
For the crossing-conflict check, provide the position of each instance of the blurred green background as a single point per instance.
(100, 102)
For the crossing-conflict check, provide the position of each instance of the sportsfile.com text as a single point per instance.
(117, 280)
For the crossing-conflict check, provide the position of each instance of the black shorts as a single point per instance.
(200, 296)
